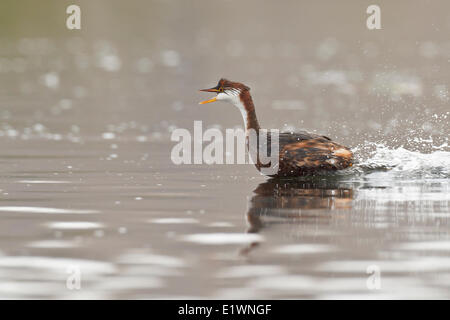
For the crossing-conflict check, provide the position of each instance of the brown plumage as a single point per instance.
(300, 152)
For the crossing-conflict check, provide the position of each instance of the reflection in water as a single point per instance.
(278, 200)
(329, 231)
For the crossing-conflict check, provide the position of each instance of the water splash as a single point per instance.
(401, 162)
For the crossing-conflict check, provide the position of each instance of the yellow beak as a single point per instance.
(208, 101)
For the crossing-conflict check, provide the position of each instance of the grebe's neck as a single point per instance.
(247, 108)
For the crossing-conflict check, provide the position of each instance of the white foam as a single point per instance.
(173, 221)
(425, 246)
(52, 244)
(75, 225)
(428, 264)
(45, 210)
(56, 264)
(43, 181)
(403, 162)
(223, 238)
(304, 249)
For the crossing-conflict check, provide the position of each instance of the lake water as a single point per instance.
(89, 194)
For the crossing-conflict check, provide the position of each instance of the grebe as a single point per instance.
(300, 153)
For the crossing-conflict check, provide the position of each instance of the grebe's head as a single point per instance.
(228, 91)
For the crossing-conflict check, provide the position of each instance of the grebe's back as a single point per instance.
(303, 153)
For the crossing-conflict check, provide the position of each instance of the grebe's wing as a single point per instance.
(288, 138)
(310, 152)
(297, 136)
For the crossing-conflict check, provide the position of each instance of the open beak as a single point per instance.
(210, 100)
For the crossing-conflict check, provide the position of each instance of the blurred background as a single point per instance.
(87, 182)
(310, 64)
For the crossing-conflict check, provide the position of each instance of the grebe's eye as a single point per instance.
(220, 89)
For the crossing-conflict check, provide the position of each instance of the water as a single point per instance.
(147, 229)
(88, 191)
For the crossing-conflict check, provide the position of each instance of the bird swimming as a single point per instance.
(300, 153)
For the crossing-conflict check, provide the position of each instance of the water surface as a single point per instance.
(87, 186)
